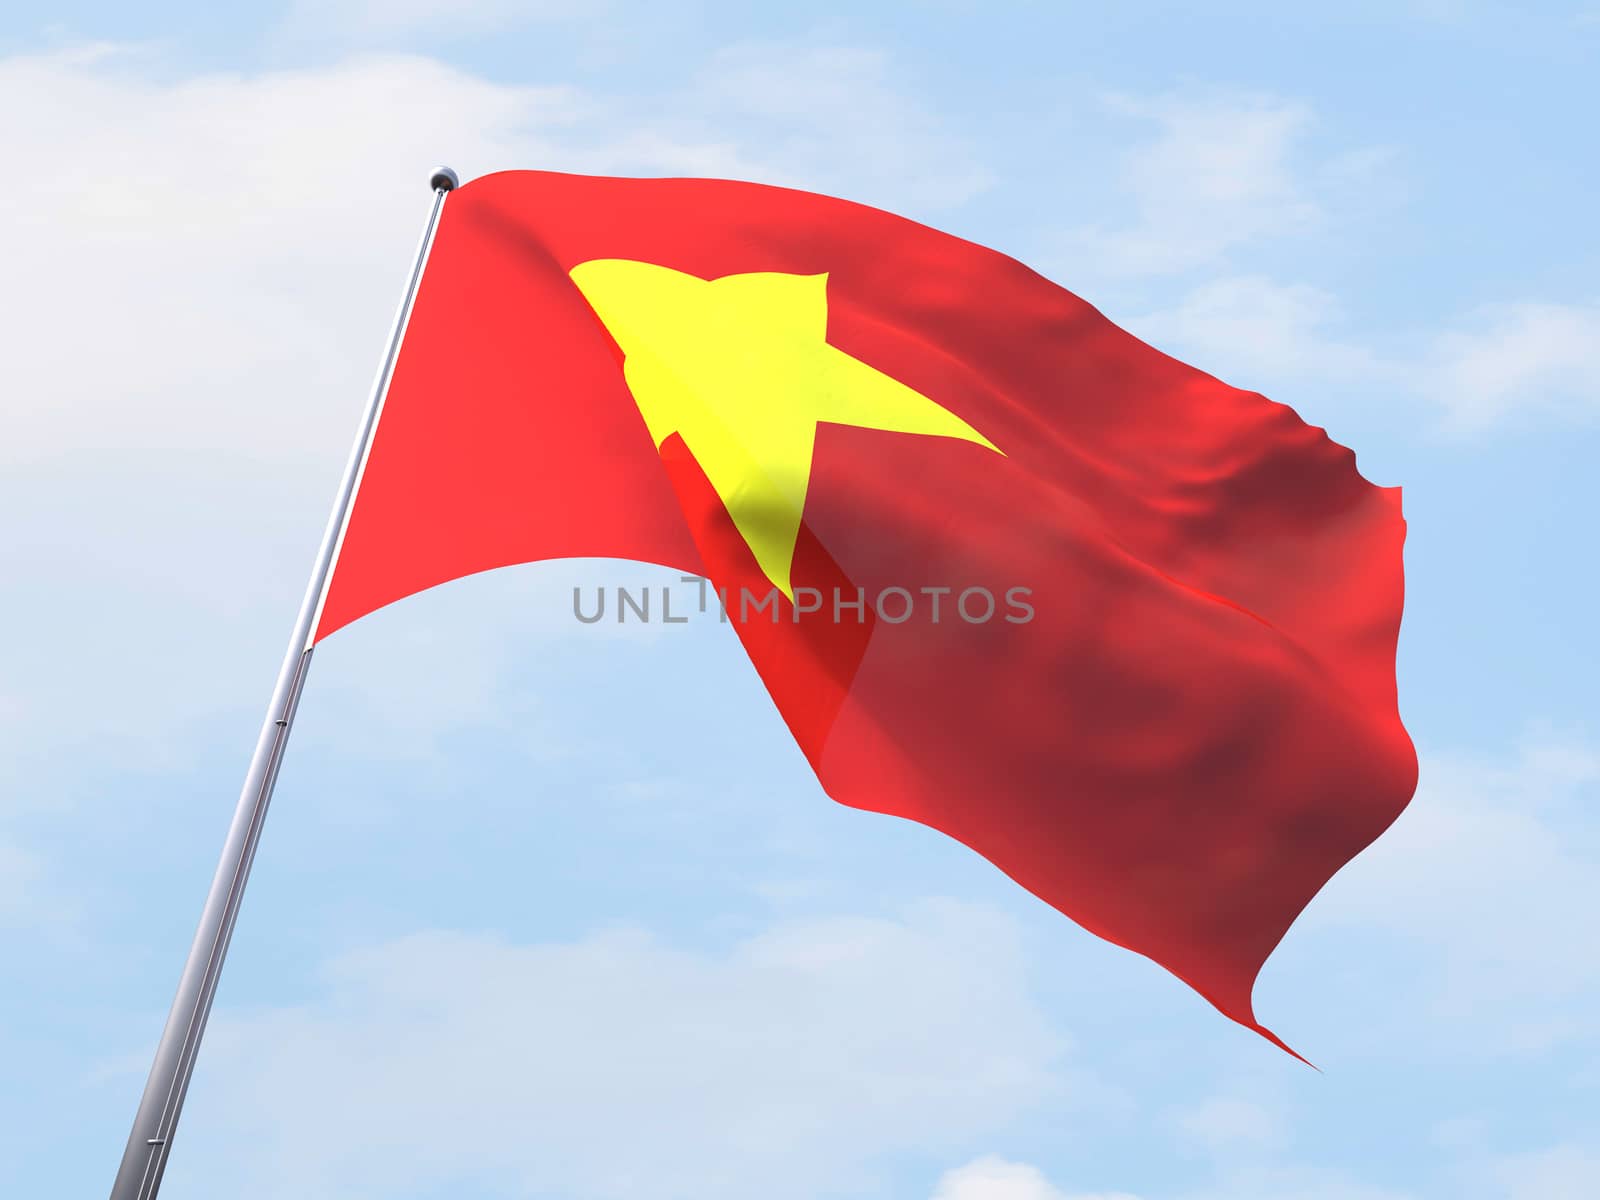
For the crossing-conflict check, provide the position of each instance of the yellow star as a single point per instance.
(741, 368)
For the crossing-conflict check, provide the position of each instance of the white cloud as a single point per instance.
(1219, 174)
(1486, 884)
(1224, 174)
(1516, 360)
(210, 266)
(1293, 1183)
(1459, 1133)
(33, 902)
(835, 118)
(388, 18)
(1252, 332)
(1561, 1173)
(19, 874)
(994, 1178)
(1506, 364)
(1225, 1122)
(211, 261)
(394, 688)
(785, 1066)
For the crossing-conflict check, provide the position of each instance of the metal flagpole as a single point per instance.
(144, 1160)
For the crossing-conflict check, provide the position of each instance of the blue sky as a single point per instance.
(557, 911)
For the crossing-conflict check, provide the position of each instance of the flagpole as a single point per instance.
(145, 1158)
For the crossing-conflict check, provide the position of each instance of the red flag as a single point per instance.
(1124, 630)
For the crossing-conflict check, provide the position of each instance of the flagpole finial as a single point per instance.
(444, 180)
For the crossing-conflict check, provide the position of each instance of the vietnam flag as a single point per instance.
(1127, 632)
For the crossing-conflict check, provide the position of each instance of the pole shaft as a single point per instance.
(145, 1158)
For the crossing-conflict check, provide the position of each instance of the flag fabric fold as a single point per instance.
(1124, 630)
